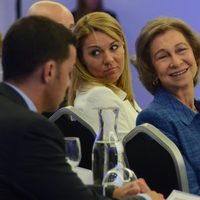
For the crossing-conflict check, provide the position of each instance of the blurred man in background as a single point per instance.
(53, 10)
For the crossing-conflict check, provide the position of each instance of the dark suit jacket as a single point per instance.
(32, 161)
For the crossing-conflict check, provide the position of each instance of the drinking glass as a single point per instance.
(72, 151)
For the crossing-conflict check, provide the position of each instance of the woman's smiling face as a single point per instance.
(173, 60)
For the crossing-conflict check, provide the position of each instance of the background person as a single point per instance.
(101, 77)
(53, 10)
(168, 56)
(58, 13)
(84, 7)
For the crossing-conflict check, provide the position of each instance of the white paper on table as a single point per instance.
(179, 195)
(85, 175)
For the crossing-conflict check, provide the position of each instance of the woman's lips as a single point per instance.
(179, 73)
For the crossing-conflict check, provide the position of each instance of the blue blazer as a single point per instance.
(182, 126)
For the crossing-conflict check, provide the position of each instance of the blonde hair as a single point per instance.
(149, 32)
(81, 78)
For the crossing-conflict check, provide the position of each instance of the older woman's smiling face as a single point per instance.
(173, 60)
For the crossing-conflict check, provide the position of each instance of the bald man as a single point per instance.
(53, 10)
(58, 13)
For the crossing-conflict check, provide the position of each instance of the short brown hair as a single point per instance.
(32, 41)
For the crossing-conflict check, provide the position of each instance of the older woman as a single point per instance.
(102, 73)
(167, 59)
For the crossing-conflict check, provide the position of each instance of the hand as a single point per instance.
(141, 183)
(155, 196)
(127, 190)
(135, 187)
(144, 188)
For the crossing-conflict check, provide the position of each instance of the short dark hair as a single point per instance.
(32, 41)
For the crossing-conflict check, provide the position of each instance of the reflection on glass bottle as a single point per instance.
(105, 154)
(120, 174)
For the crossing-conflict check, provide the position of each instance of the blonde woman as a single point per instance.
(102, 74)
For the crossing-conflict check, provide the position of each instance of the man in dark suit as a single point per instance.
(38, 56)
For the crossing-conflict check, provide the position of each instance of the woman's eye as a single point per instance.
(114, 46)
(95, 53)
(162, 56)
(181, 49)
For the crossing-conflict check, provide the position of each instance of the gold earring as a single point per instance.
(155, 82)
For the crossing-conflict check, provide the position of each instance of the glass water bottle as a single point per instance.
(105, 154)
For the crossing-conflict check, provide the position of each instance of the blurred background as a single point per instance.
(132, 15)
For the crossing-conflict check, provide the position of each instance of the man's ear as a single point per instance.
(49, 71)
